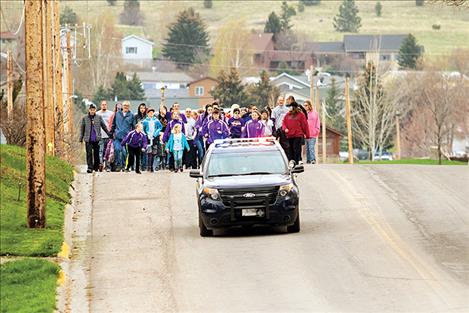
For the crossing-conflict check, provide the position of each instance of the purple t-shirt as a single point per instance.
(93, 131)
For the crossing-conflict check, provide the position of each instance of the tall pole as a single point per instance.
(10, 85)
(58, 89)
(316, 148)
(48, 70)
(35, 132)
(398, 138)
(348, 121)
(324, 133)
(69, 118)
(311, 85)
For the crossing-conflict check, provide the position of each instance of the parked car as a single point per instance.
(247, 182)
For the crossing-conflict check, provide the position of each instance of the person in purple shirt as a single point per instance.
(90, 132)
(176, 119)
(236, 124)
(253, 128)
(175, 108)
(136, 142)
(204, 118)
(215, 129)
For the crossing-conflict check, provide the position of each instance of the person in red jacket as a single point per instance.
(295, 127)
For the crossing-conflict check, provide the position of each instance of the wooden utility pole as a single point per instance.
(35, 133)
(10, 85)
(316, 148)
(58, 89)
(48, 71)
(69, 117)
(311, 85)
(398, 138)
(324, 132)
(348, 120)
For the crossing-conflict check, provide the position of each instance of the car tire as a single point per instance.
(295, 228)
(204, 231)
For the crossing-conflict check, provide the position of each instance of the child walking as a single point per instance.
(177, 143)
(136, 142)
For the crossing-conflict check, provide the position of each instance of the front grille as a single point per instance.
(249, 198)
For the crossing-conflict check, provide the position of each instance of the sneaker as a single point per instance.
(300, 163)
(181, 169)
(108, 170)
(313, 162)
(138, 172)
(89, 171)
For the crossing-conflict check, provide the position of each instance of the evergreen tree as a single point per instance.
(68, 16)
(409, 53)
(347, 20)
(101, 94)
(131, 14)
(378, 8)
(334, 108)
(310, 2)
(124, 89)
(208, 4)
(273, 24)
(187, 40)
(230, 89)
(419, 3)
(287, 12)
(263, 93)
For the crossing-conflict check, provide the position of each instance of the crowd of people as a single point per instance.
(151, 140)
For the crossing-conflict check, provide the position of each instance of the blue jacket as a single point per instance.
(215, 129)
(236, 126)
(170, 145)
(122, 124)
(135, 140)
(146, 127)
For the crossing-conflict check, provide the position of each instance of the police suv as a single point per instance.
(247, 182)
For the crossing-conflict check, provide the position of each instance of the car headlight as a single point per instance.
(285, 189)
(212, 193)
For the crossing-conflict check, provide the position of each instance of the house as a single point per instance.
(200, 89)
(333, 138)
(137, 50)
(362, 48)
(293, 60)
(263, 47)
(158, 80)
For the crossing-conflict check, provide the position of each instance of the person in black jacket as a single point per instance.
(90, 132)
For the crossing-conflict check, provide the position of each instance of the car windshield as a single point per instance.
(248, 163)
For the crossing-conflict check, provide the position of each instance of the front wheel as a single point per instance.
(295, 228)
(204, 231)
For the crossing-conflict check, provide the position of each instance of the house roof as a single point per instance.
(260, 41)
(168, 93)
(295, 79)
(359, 43)
(138, 38)
(7, 35)
(330, 47)
(203, 78)
(176, 77)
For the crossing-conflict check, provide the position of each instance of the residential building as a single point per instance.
(263, 47)
(333, 138)
(158, 80)
(137, 50)
(201, 88)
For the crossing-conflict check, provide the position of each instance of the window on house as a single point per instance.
(199, 91)
(130, 50)
(385, 57)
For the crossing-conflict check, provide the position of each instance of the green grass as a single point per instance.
(16, 238)
(315, 22)
(28, 286)
(415, 161)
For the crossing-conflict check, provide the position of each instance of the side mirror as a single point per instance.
(298, 169)
(195, 174)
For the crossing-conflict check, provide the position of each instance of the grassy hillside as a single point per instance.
(16, 238)
(315, 21)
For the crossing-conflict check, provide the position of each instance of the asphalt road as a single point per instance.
(389, 238)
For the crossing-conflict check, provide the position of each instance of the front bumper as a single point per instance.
(216, 214)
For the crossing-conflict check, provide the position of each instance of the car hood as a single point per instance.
(250, 181)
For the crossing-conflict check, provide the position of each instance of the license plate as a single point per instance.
(249, 212)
